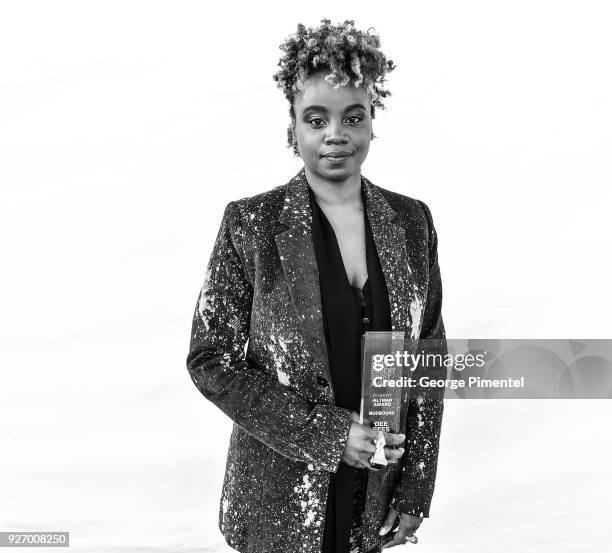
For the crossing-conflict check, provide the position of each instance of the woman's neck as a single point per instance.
(335, 194)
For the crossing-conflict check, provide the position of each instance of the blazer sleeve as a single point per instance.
(414, 491)
(255, 400)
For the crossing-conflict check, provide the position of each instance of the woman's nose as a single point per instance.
(335, 132)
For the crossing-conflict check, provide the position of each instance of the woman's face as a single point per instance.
(329, 121)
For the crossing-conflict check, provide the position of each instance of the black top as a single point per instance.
(347, 313)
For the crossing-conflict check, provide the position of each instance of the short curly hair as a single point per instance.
(350, 56)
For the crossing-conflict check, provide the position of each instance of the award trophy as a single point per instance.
(381, 398)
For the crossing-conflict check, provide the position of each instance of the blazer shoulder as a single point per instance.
(264, 206)
(254, 219)
(409, 210)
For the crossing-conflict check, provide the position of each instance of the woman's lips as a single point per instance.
(337, 158)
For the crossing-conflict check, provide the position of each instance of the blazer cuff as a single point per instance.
(410, 505)
(340, 424)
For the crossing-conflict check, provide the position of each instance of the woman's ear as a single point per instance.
(292, 138)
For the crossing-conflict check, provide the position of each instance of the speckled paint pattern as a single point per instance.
(258, 352)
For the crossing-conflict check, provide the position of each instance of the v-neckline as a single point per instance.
(337, 245)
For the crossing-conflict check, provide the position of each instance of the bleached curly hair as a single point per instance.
(349, 55)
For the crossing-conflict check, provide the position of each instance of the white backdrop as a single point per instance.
(125, 129)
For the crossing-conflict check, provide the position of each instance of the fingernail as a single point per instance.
(402, 450)
(402, 436)
(382, 531)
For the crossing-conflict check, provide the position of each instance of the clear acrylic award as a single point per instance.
(381, 398)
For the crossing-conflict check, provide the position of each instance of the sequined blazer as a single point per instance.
(258, 352)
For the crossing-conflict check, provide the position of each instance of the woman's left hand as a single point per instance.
(408, 524)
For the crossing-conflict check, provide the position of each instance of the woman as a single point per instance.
(296, 275)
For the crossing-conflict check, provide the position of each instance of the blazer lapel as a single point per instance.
(296, 250)
(390, 239)
(297, 257)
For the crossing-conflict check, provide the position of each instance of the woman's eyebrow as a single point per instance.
(323, 108)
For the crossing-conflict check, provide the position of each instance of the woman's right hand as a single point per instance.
(360, 445)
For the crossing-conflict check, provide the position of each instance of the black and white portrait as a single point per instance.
(208, 210)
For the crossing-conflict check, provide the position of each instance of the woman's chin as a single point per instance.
(337, 171)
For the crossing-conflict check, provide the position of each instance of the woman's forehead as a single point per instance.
(319, 93)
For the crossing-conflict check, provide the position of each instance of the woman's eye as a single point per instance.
(315, 119)
(357, 117)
